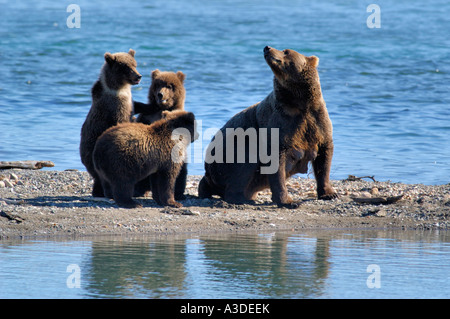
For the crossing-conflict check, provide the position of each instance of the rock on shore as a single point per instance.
(54, 203)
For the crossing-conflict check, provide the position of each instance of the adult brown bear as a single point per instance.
(292, 122)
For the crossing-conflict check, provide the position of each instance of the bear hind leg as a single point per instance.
(204, 189)
(97, 189)
(107, 190)
(143, 187)
(123, 193)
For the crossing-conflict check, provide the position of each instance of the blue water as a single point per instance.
(318, 264)
(386, 89)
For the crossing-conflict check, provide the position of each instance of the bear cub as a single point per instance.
(130, 152)
(166, 93)
(111, 104)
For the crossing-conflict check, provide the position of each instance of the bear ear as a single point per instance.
(155, 73)
(132, 52)
(109, 58)
(313, 61)
(181, 76)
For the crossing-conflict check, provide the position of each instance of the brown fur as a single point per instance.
(111, 104)
(296, 107)
(166, 93)
(130, 152)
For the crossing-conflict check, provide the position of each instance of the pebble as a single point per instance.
(381, 213)
(2, 184)
(365, 194)
(191, 212)
(8, 183)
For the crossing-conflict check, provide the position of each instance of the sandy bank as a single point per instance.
(54, 203)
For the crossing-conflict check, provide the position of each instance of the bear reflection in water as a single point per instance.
(267, 266)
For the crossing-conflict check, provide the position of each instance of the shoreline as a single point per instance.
(37, 204)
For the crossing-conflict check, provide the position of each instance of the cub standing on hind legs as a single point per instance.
(296, 110)
(111, 104)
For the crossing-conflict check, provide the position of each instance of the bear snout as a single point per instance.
(268, 51)
(136, 78)
(163, 96)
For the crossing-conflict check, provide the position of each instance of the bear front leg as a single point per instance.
(140, 107)
(165, 181)
(322, 167)
(180, 185)
(277, 183)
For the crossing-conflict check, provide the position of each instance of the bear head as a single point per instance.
(181, 119)
(120, 69)
(167, 90)
(292, 68)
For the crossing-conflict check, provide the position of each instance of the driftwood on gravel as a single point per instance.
(378, 200)
(26, 164)
(353, 178)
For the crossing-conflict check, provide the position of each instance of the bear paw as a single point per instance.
(292, 205)
(329, 196)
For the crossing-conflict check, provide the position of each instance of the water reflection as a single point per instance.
(316, 264)
(266, 265)
(136, 268)
(276, 265)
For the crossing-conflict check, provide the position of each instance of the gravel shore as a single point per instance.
(41, 203)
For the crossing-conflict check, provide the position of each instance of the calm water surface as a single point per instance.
(320, 264)
(387, 89)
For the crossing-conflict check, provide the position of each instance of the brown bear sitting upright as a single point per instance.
(166, 93)
(111, 104)
(129, 152)
(291, 123)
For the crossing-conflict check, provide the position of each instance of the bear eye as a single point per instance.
(170, 86)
